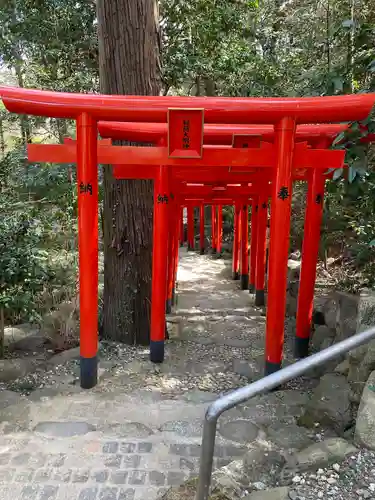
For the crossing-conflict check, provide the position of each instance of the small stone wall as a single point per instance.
(345, 395)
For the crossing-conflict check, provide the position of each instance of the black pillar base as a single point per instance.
(301, 347)
(173, 297)
(236, 276)
(157, 351)
(259, 298)
(244, 281)
(202, 251)
(168, 306)
(213, 250)
(251, 288)
(190, 248)
(270, 368)
(89, 372)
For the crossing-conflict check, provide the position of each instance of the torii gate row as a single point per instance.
(258, 234)
(259, 276)
(190, 202)
(63, 153)
(185, 147)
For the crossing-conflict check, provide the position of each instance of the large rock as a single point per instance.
(241, 431)
(294, 269)
(323, 454)
(64, 357)
(32, 343)
(329, 404)
(11, 369)
(366, 310)
(289, 435)
(13, 334)
(263, 463)
(360, 369)
(281, 493)
(329, 366)
(230, 480)
(320, 334)
(331, 312)
(343, 368)
(296, 255)
(365, 424)
(348, 305)
(362, 359)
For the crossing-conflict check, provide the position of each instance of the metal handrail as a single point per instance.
(260, 386)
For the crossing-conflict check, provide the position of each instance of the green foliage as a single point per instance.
(205, 41)
(23, 266)
(210, 47)
(52, 41)
(38, 205)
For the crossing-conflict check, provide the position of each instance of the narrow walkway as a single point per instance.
(139, 431)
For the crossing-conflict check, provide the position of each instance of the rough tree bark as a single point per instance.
(129, 50)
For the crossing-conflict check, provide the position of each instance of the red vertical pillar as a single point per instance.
(244, 247)
(213, 228)
(236, 241)
(182, 230)
(310, 250)
(253, 241)
(175, 265)
(279, 244)
(190, 221)
(159, 265)
(260, 270)
(219, 228)
(201, 229)
(171, 256)
(87, 177)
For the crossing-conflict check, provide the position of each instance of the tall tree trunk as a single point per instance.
(129, 50)
(24, 120)
(62, 129)
(209, 87)
(328, 43)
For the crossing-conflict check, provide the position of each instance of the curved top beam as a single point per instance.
(217, 109)
(213, 133)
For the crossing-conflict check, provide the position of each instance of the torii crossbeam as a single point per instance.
(186, 117)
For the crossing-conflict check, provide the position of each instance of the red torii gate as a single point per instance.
(258, 241)
(316, 136)
(283, 113)
(60, 153)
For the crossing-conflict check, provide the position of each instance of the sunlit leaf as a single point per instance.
(351, 174)
(337, 174)
(338, 138)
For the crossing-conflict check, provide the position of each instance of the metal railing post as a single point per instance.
(260, 386)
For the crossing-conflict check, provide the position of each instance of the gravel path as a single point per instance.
(352, 479)
(139, 430)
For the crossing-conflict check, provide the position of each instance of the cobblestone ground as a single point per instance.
(138, 432)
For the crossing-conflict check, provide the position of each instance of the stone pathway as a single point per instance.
(139, 431)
